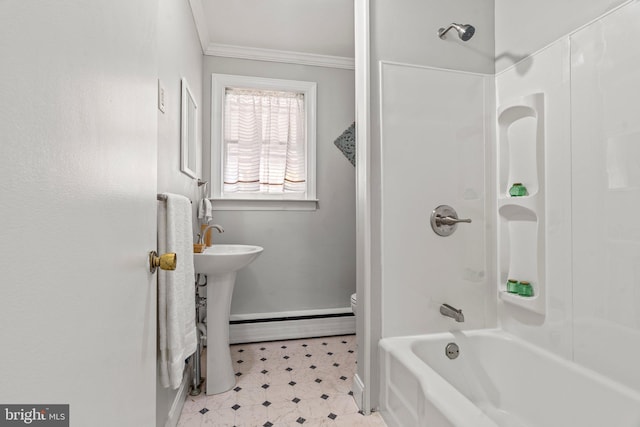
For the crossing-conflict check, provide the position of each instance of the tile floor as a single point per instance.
(291, 383)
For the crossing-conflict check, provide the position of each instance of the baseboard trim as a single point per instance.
(358, 393)
(290, 314)
(291, 325)
(181, 397)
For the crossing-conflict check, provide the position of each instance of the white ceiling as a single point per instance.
(319, 27)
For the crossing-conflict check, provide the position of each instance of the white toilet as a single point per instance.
(353, 303)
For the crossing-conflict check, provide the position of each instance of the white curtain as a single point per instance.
(264, 142)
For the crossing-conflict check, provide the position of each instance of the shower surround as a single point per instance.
(583, 261)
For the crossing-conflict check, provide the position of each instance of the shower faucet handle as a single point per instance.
(444, 220)
(449, 220)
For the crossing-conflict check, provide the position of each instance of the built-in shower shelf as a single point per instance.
(521, 220)
(534, 303)
(532, 203)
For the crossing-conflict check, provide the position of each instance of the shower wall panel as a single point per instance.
(523, 27)
(549, 324)
(606, 195)
(436, 128)
(592, 172)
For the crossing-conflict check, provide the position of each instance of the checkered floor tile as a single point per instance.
(291, 383)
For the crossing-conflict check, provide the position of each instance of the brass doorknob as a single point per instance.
(168, 261)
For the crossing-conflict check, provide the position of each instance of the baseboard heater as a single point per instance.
(257, 327)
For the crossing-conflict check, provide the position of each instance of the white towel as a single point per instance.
(176, 290)
(205, 211)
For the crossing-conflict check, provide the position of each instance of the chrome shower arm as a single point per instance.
(465, 31)
(442, 31)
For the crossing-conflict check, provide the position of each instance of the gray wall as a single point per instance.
(180, 56)
(524, 27)
(406, 31)
(309, 257)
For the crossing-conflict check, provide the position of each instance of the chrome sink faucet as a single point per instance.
(209, 227)
(454, 313)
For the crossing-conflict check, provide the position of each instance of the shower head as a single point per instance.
(465, 31)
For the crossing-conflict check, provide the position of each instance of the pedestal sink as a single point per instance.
(221, 263)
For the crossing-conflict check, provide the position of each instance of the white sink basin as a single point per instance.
(221, 263)
(223, 259)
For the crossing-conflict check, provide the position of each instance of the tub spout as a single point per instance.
(454, 313)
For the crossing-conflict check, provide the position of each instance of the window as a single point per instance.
(263, 143)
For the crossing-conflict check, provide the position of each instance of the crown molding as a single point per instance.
(273, 55)
(260, 54)
(201, 23)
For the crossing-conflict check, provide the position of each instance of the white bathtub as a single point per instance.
(497, 380)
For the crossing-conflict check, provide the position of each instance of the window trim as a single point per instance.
(219, 83)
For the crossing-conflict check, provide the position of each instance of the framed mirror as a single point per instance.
(189, 133)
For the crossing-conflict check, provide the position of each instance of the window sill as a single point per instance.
(263, 205)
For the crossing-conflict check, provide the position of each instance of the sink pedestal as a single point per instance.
(221, 263)
(220, 373)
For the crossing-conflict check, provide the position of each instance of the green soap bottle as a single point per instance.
(525, 289)
(512, 286)
(518, 190)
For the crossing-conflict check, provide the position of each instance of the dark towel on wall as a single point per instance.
(347, 143)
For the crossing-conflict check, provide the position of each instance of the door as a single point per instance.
(78, 154)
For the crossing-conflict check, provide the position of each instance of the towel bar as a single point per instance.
(163, 198)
